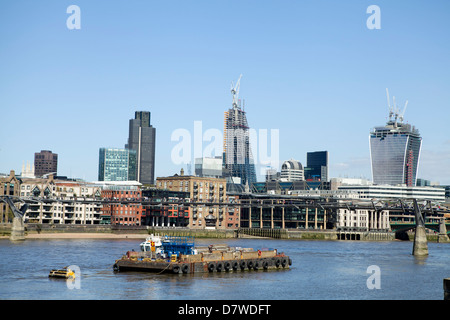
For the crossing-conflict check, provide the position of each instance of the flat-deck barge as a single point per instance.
(178, 255)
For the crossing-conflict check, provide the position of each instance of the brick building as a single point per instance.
(208, 207)
(9, 186)
(126, 212)
(45, 162)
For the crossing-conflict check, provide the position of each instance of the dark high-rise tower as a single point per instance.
(142, 139)
(395, 151)
(45, 162)
(238, 159)
(317, 166)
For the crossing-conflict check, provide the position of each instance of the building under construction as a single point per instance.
(238, 159)
(395, 150)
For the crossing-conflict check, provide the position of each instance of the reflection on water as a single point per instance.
(320, 270)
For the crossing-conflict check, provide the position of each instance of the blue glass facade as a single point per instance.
(117, 164)
(395, 152)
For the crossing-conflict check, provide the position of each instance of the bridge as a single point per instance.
(406, 226)
(405, 214)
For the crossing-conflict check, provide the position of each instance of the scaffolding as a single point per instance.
(238, 159)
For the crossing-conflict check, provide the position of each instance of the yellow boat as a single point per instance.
(65, 273)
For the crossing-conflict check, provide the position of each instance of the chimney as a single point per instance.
(182, 172)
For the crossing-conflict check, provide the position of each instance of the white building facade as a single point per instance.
(61, 202)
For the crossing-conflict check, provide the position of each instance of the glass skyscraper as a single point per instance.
(317, 166)
(116, 164)
(394, 152)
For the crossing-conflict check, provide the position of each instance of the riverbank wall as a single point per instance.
(105, 231)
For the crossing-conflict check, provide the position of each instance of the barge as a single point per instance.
(179, 255)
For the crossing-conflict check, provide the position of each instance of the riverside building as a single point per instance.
(208, 202)
(125, 207)
(61, 201)
(9, 186)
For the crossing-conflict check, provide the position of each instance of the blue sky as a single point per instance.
(311, 69)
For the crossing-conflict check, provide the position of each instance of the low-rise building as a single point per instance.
(363, 220)
(395, 192)
(125, 206)
(208, 207)
(61, 201)
(9, 186)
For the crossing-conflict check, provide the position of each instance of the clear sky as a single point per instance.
(311, 69)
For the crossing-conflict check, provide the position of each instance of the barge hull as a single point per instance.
(237, 265)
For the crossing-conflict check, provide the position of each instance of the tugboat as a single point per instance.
(179, 255)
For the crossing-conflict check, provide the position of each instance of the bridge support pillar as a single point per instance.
(443, 237)
(420, 247)
(447, 289)
(17, 230)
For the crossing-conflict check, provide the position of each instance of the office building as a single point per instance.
(316, 166)
(208, 167)
(395, 151)
(45, 162)
(117, 164)
(141, 138)
(238, 158)
(292, 170)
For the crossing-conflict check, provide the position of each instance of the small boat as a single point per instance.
(64, 273)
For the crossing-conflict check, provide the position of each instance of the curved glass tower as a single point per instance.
(395, 152)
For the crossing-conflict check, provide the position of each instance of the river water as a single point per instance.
(321, 270)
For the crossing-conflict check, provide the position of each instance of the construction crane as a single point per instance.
(394, 110)
(235, 92)
(391, 113)
(403, 112)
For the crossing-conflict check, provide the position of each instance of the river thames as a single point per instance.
(321, 270)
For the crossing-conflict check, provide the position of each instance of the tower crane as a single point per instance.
(235, 92)
(403, 112)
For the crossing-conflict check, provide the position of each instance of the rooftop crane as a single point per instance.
(235, 92)
(403, 112)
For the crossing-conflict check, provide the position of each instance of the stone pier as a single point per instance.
(17, 230)
(420, 247)
(443, 237)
